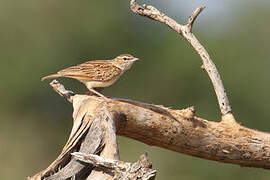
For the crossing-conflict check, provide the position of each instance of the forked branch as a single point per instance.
(186, 32)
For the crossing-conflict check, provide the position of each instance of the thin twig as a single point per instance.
(193, 17)
(185, 31)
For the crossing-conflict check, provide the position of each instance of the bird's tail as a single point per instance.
(51, 76)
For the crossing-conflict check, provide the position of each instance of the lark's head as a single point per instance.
(124, 61)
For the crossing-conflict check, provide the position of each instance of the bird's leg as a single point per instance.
(99, 94)
(94, 93)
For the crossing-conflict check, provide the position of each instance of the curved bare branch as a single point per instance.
(185, 31)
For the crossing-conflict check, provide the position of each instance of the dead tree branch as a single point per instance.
(177, 130)
(185, 31)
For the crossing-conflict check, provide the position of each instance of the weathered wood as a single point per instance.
(93, 132)
(141, 169)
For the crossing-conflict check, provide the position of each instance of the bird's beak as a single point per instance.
(135, 59)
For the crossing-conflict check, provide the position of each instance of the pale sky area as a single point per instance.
(220, 12)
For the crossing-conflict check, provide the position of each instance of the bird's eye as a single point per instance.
(125, 58)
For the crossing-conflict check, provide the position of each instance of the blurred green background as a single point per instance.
(40, 37)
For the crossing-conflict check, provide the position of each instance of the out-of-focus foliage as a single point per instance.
(40, 37)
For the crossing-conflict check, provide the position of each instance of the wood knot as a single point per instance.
(188, 113)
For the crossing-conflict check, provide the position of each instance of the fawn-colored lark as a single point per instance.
(97, 73)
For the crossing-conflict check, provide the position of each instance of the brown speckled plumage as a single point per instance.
(92, 71)
(97, 73)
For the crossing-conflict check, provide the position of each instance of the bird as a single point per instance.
(97, 73)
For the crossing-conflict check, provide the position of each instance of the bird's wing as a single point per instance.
(92, 71)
